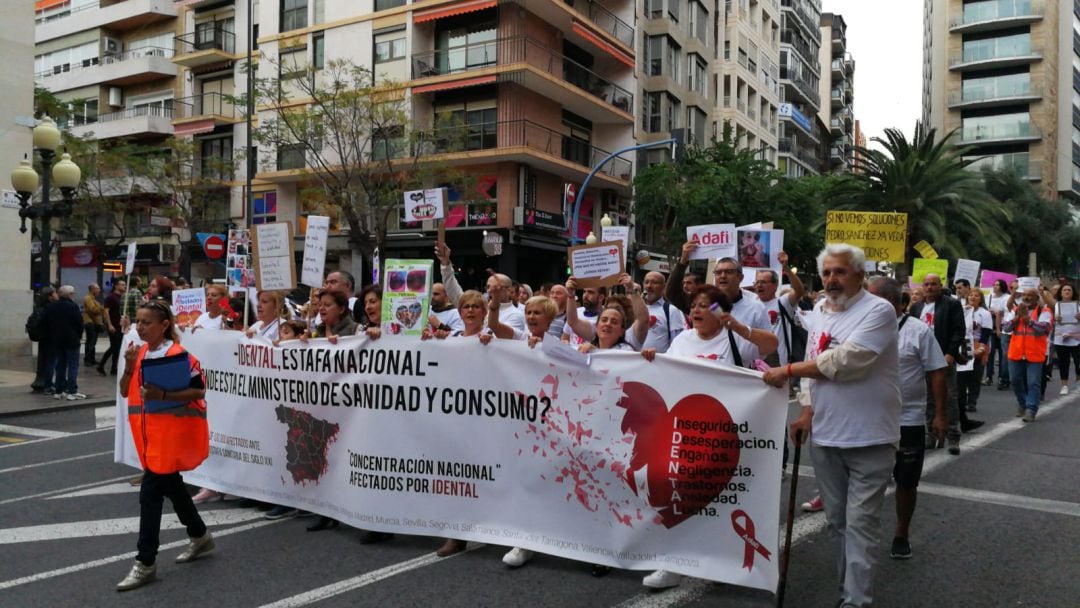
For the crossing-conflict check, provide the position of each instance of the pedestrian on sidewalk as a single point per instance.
(945, 315)
(93, 322)
(168, 441)
(64, 320)
(38, 332)
(113, 314)
(999, 295)
(1067, 335)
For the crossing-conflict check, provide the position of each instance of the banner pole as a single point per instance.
(782, 585)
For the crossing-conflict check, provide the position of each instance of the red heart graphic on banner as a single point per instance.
(613, 251)
(689, 453)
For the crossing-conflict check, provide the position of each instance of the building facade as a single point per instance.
(1005, 76)
(800, 133)
(837, 85)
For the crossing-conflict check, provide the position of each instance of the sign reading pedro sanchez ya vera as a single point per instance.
(881, 235)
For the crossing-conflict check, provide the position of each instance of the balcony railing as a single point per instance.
(795, 6)
(804, 86)
(90, 62)
(151, 111)
(1005, 131)
(787, 145)
(1000, 52)
(796, 41)
(507, 51)
(216, 38)
(207, 104)
(997, 10)
(605, 20)
(1020, 163)
(994, 91)
(518, 133)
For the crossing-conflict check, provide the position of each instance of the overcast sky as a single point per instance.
(885, 39)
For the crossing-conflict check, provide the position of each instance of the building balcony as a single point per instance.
(601, 26)
(839, 42)
(996, 14)
(1001, 58)
(123, 16)
(805, 91)
(205, 47)
(795, 41)
(532, 65)
(836, 126)
(202, 113)
(132, 122)
(132, 67)
(1020, 163)
(791, 147)
(836, 99)
(810, 24)
(989, 97)
(1018, 132)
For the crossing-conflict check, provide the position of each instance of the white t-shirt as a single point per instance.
(780, 326)
(576, 340)
(862, 412)
(689, 345)
(450, 317)
(510, 315)
(997, 305)
(662, 329)
(919, 354)
(270, 332)
(751, 312)
(557, 325)
(1067, 332)
(205, 321)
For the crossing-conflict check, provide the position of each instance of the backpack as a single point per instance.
(35, 326)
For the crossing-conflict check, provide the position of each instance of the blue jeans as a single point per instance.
(67, 369)
(1003, 368)
(1026, 383)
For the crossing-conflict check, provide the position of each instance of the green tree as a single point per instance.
(928, 179)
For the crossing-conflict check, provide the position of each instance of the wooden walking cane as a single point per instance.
(782, 586)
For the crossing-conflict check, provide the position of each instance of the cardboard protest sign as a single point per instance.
(759, 249)
(989, 276)
(598, 265)
(1025, 283)
(239, 272)
(406, 297)
(882, 236)
(274, 266)
(714, 241)
(922, 267)
(966, 269)
(187, 305)
(423, 205)
(315, 239)
(617, 233)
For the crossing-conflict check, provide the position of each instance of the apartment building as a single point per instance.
(837, 85)
(1005, 76)
(858, 161)
(545, 89)
(112, 62)
(800, 132)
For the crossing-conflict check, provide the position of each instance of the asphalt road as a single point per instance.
(998, 525)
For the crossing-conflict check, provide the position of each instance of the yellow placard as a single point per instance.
(923, 266)
(926, 250)
(882, 236)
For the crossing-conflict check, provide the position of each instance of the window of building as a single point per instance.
(997, 127)
(215, 157)
(699, 20)
(215, 35)
(468, 125)
(387, 142)
(727, 49)
(650, 110)
(293, 14)
(999, 46)
(63, 60)
(318, 51)
(263, 207)
(654, 9)
(673, 9)
(671, 65)
(466, 43)
(695, 72)
(654, 55)
(696, 119)
(292, 69)
(1011, 85)
(160, 45)
(671, 114)
(382, 5)
(390, 46)
(318, 11)
(291, 156)
(577, 135)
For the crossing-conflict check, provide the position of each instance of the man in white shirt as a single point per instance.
(781, 310)
(665, 321)
(746, 308)
(444, 311)
(592, 300)
(560, 296)
(920, 359)
(852, 367)
(499, 290)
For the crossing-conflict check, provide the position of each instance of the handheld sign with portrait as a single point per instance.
(759, 249)
(318, 231)
(406, 297)
(882, 236)
(598, 265)
(239, 272)
(274, 266)
(714, 241)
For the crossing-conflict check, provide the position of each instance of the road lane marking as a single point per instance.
(62, 490)
(62, 460)
(41, 576)
(105, 417)
(118, 525)
(32, 432)
(122, 487)
(321, 593)
(1059, 507)
(808, 524)
(36, 441)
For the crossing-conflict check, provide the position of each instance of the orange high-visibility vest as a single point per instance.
(172, 440)
(1025, 345)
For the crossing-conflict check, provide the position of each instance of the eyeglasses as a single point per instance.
(726, 271)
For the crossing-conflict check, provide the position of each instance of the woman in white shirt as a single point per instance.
(269, 308)
(712, 337)
(540, 311)
(980, 326)
(1067, 335)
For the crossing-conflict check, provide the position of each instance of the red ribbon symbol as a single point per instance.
(745, 531)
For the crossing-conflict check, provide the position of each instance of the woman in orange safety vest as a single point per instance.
(168, 441)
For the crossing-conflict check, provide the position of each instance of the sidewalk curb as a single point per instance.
(63, 406)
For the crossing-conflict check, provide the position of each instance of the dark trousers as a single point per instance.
(90, 354)
(43, 379)
(1064, 354)
(969, 385)
(995, 352)
(152, 495)
(115, 339)
(66, 363)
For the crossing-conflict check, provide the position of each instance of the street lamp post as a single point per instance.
(24, 180)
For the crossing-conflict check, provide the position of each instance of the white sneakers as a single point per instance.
(75, 396)
(662, 579)
(1064, 390)
(517, 557)
(139, 576)
(196, 547)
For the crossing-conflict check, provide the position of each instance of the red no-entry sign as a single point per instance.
(214, 247)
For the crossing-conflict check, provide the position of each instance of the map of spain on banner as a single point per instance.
(673, 464)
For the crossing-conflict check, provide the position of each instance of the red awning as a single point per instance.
(615, 52)
(42, 5)
(453, 84)
(195, 127)
(458, 9)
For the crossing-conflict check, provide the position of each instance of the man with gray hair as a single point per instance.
(851, 412)
(64, 320)
(499, 290)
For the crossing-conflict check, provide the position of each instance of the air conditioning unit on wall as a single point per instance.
(169, 253)
(111, 47)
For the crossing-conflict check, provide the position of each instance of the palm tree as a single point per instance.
(928, 180)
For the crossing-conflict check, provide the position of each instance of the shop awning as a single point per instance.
(453, 84)
(587, 33)
(458, 9)
(195, 127)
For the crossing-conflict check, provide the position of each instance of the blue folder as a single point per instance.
(172, 373)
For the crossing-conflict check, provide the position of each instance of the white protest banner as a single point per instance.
(423, 205)
(617, 233)
(597, 265)
(187, 305)
(502, 444)
(1025, 283)
(274, 265)
(129, 262)
(967, 269)
(714, 241)
(315, 238)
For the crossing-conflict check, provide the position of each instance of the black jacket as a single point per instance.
(948, 326)
(64, 322)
